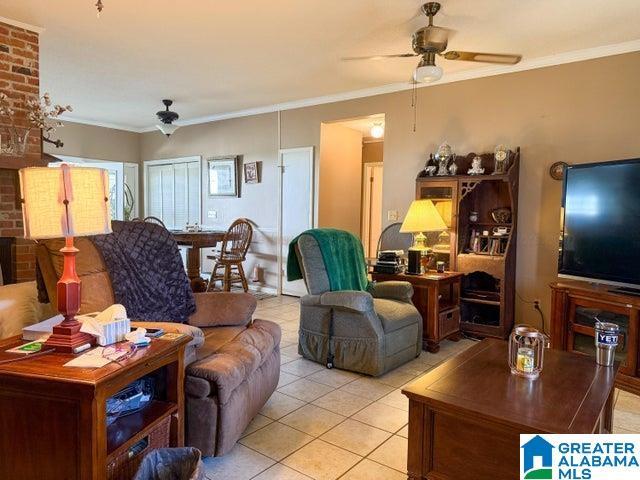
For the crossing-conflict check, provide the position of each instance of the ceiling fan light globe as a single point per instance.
(167, 128)
(427, 74)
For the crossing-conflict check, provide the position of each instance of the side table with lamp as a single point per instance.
(421, 217)
(54, 417)
(65, 202)
(436, 294)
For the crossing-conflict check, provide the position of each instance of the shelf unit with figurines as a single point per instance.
(478, 200)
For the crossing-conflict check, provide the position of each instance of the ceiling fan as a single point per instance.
(430, 41)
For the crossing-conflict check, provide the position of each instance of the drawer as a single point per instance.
(449, 322)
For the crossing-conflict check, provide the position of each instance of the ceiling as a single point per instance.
(363, 124)
(215, 57)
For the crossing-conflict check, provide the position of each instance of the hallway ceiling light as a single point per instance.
(167, 117)
(377, 130)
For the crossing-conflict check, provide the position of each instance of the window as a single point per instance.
(123, 183)
(173, 191)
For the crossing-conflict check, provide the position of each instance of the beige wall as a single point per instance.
(98, 143)
(256, 139)
(340, 178)
(579, 112)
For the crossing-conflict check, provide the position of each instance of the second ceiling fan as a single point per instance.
(432, 40)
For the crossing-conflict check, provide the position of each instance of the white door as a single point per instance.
(371, 208)
(297, 207)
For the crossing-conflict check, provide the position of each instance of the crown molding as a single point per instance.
(488, 71)
(26, 26)
(95, 123)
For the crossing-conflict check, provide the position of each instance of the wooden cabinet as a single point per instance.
(53, 418)
(576, 306)
(437, 298)
(489, 265)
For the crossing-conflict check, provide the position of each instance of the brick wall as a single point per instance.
(20, 81)
(22, 251)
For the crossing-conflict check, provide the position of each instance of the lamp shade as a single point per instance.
(64, 202)
(422, 217)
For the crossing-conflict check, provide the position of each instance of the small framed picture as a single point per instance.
(251, 172)
(223, 176)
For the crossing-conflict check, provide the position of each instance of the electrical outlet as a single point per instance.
(213, 214)
(392, 215)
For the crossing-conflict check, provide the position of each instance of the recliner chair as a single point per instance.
(368, 332)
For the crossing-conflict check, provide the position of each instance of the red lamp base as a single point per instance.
(67, 335)
(67, 338)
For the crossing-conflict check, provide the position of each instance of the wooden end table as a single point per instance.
(53, 417)
(466, 416)
(437, 298)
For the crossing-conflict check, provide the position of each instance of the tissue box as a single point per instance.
(113, 331)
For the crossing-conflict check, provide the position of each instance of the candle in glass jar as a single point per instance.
(525, 360)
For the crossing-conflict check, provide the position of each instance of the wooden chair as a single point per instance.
(155, 220)
(233, 252)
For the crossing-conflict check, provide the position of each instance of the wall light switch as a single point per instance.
(213, 214)
(392, 215)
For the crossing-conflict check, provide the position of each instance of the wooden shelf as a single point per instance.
(480, 255)
(496, 254)
(480, 301)
(126, 428)
(473, 178)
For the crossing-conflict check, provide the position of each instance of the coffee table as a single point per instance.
(466, 415)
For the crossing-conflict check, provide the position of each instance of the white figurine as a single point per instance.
(476, 166)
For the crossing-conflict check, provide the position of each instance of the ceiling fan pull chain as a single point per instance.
(414, 104)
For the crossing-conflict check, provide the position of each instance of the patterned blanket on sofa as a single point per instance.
(147, 273)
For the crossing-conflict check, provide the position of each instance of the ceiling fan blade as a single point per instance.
(482, 57)
(380, 57)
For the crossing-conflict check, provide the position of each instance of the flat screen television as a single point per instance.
(601, 223)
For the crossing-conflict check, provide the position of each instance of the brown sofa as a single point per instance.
(233, 362)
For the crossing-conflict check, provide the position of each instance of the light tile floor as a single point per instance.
(328, 424)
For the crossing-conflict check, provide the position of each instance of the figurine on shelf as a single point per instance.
(476, 166)
(444, 156)
(501, 157)
(453, 168)
(430, 166)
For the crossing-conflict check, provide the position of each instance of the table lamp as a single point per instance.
(65, 202)
(421, 217)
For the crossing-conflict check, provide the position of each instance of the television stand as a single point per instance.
(626, 291)
(575, 308)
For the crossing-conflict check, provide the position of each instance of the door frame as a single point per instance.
(313, 199)
(365, 220)
(170, 161)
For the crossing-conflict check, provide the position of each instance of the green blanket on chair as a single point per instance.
(343, 257)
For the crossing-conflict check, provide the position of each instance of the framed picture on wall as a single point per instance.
(251, 172)
(223, 176)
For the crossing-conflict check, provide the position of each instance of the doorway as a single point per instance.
(371, 207)
(297, 208)
(350, 176)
